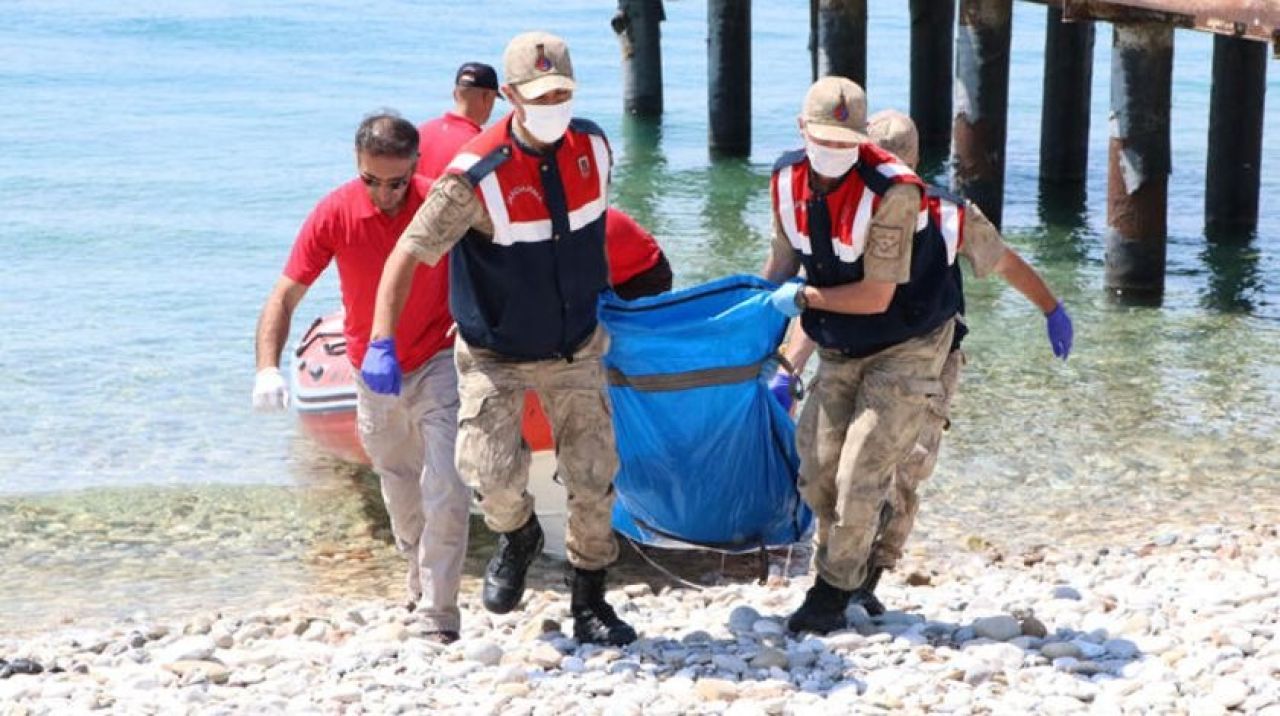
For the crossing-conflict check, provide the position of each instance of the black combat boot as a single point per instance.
(504, 576)
(865, 594)
(594, 621)
(822, 610)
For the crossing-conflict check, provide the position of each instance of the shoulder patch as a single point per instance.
(788, 159)
(486, 164)
(585, 126)
(886, 242)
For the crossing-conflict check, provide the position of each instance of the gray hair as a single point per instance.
(386, 134)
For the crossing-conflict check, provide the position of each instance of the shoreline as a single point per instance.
(153, 548)
(1185, 621)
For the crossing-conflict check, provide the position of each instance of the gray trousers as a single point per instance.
(410, 438)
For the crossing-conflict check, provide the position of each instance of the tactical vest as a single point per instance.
(829, 234)
(530, 290)
(946, 222)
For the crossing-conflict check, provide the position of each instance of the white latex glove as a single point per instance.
(270, 394)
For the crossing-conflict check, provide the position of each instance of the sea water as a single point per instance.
(158, 159)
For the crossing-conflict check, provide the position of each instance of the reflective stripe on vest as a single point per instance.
(507, 231)
(849, 245)
(529, 289)
(949, 217)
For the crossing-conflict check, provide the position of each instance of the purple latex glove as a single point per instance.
(1058, 323)
(780, 386)
(380, 368)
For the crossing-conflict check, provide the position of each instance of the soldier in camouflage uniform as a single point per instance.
(976, 239)
(880, 304)
(521, 214)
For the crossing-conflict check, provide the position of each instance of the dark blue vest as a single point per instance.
(531, 300)
(930, 298)
(934, 194)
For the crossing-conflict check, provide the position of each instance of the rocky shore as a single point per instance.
(1179, 622)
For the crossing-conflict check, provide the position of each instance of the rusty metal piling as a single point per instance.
(1234, 172)
(932, 32)
(982, 102)
(729, 76)
(638, 26)
(1139, 164)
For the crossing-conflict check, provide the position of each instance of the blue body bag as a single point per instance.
(707, 456)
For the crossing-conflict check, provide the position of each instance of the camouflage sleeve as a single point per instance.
(451, 208)
(888, 250)
(981, 242)
(782, 255)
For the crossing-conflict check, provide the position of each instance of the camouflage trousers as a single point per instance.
(859, 423)
(904, 500)
(493, 458)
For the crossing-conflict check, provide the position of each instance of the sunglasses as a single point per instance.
(393, 184)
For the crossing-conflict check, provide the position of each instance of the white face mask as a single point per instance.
(548, 122)
(829, 161)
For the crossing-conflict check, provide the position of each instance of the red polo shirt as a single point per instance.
(439, 141)
(347, 227)
(631, 249)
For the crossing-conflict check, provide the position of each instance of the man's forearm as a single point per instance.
(393, 291)
(273, 331)
(780, 266)
(860, 298)
(274, 321)
(776, 272)
(799, 347)
(1026, 280)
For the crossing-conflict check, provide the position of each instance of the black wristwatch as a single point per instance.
(802, 301)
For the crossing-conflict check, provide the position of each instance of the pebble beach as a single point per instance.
(1183, 621)
(1100, 535)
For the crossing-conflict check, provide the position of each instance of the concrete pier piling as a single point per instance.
(1234, 172)
(982, 102)
(638, 24)
(1138, 175)
(932, 33)
(729, 76)
(1068, 83)
(840, 39)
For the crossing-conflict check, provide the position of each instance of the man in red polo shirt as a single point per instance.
(410, 436)
(475, 89)
(637, 266)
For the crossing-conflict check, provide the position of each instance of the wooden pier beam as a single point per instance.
(933, 26)
(841, 39)
(729, 76)
(638, 26)
(813, 40)
(982, 102)
(1138, 175)
(1234, 172)
(1068, 84)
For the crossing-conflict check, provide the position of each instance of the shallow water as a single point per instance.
(160, 159)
